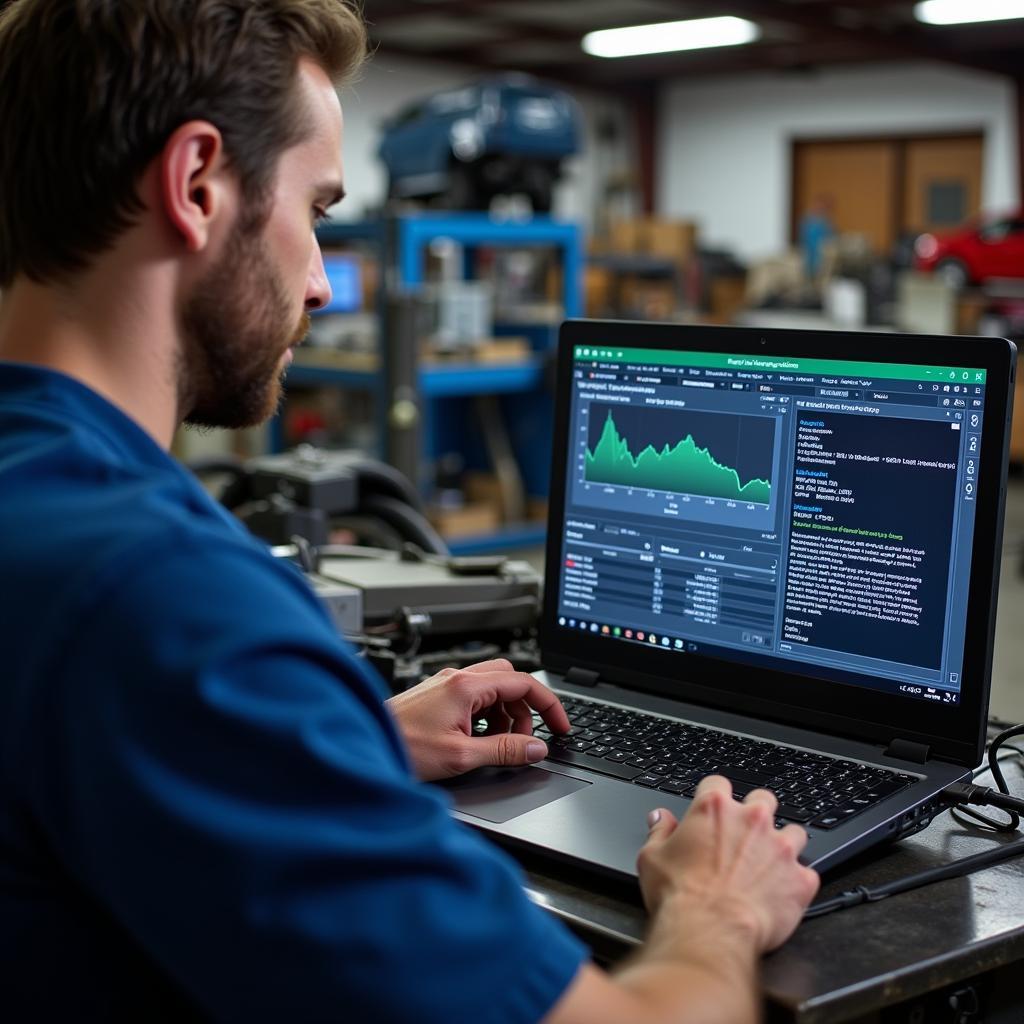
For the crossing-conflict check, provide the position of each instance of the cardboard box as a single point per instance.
(653, 236)
(670, 239)
(487, 351)
(482, 487)
(648, 298)
(473, 517)
(726, 297)
(626, 236)
(597, 290)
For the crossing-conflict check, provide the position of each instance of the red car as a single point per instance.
(984, 248)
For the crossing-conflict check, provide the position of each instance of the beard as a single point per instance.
(236, 329)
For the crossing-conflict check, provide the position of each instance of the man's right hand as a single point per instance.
(723, 886)
(727, 858)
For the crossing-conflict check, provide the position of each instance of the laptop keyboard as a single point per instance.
(812, 789)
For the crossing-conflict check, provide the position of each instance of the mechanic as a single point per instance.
(207, 808)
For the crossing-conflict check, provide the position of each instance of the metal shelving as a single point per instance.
(402, 244)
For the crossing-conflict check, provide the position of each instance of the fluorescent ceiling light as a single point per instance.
(962, 12)
(668, 36)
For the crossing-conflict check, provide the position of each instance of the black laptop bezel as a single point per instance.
(953, 734)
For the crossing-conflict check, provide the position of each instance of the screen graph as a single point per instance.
(712, 455)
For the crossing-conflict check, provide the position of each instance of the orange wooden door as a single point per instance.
(859, 181)
(942, 182)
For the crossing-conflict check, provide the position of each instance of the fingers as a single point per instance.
(660, 824)
(497, 720)
(522, 719)
(710, 785)
(541, 699)
(796, 836)
(494, 665)
(762, 798)
(507, 749)
(485, 686)
(727, 859)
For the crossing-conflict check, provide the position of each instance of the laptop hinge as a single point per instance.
(581, 677)
(906, 750)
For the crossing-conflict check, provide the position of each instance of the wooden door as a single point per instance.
(859, 180)
(942, 182)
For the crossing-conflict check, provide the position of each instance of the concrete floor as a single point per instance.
(1007, 700)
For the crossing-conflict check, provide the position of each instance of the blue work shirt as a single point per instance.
(205, 809)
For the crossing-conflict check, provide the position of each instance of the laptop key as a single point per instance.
(597, 764)
(640, 762)
(791, 813)
(889, 787)
(751, 779)
(835, 817)
(676, 786)
(647, 779)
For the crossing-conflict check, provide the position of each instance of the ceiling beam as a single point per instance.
(829, 38)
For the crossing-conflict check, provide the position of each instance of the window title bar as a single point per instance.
(782, 364)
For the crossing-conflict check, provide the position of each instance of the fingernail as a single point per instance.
(535, 750)
(653, 818)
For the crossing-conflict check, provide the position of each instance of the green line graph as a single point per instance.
(684, 468)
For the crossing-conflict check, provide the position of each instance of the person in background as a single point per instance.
(816, 228)
(208, 809)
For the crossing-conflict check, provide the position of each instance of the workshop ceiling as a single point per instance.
(543, 37)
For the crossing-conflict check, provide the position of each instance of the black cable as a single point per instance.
(968, 793)
(958, 794)
(380, 478)
(981, 795)
(409, 523)
(972, 818)
(864, 894)
(993, 755)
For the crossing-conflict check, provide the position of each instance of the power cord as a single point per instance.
(864, 894)
(968, 793)
(957, 795)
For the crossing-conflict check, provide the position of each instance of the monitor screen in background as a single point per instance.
(344, 274)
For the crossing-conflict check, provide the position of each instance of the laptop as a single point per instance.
(773, 555)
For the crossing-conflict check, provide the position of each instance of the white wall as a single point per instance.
(388, 84)
(724, 145)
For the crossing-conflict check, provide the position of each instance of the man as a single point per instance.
(206, 808)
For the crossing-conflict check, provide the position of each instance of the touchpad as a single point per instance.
(500, 794)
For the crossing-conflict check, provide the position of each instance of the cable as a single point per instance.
(957, 794)
(972, 818)
(968, 793)
(412, 525)
(864, 894)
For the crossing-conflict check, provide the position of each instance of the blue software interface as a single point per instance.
(805, 514)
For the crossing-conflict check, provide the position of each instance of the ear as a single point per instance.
(195, 184)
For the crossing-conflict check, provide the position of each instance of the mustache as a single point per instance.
(301, 330)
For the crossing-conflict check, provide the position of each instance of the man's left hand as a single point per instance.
(436, 718)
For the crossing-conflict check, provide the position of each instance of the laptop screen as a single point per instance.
(811, 515)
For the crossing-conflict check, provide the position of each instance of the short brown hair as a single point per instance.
(90, 90)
